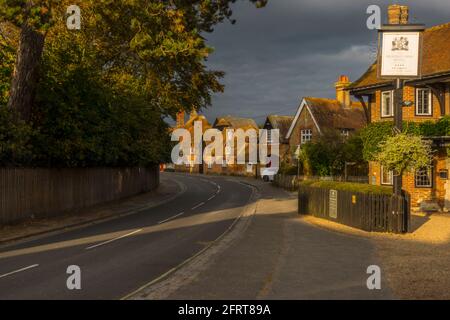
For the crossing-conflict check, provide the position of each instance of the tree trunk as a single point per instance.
(26, 72)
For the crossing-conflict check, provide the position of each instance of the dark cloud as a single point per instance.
(294, 48)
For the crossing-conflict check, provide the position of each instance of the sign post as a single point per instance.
(399, 59)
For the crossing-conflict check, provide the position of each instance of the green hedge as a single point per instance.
(348, 186)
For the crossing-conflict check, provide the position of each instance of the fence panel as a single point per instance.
(369, 212)
(29, 192)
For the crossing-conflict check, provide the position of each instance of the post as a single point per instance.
(398, 125)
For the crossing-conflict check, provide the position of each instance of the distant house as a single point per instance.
(430, 97)
(189, 125)
(235, 123)
(281, 123)
(318, 115)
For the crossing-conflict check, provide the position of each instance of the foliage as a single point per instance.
(7, 54)
(15, 138)
(372, 135)
(377, 132)
(328, 154)
(288, 169)
(347, 186)
(104, 90)
(404, 152)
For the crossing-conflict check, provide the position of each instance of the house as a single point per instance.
(189, 125)
(430, 97)
(235, 123)
(281, 123)
(315, 116)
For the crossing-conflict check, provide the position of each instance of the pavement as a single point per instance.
(274, 255)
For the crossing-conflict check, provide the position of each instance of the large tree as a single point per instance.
(33, 17)
(158, 41)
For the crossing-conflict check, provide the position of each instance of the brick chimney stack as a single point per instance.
(398, 14)
(343, 95)
(180, 119)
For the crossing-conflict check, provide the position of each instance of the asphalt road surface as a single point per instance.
(118, 256)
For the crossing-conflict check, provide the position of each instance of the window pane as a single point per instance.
(423, 177)
(386, 104)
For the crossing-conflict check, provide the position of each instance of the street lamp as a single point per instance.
(399, 59)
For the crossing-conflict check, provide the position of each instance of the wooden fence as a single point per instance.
(37, 193)
(369, 212)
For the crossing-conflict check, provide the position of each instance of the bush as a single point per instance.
(348, 186)
(327, 155)
(15, 140)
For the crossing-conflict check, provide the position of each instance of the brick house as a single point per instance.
(430, 97)
(318, 115)
(222, 124)
(189, 125)
(282, 123)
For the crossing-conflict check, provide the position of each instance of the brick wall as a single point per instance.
(409, 94)
(305, 121)
(418, 194)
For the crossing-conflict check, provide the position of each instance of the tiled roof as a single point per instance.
(235, 122)
(436, 57)
(282, 123)
(329, 113)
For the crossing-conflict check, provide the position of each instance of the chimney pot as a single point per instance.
(398, 14)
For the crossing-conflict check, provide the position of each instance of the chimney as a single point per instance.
(343, 95)
(398, 14)
(180, 119)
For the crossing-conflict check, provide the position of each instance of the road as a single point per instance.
(118, 256)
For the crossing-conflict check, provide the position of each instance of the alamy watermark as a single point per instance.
(228, 147)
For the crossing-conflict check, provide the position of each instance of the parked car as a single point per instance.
(268, 174)
(169, 167)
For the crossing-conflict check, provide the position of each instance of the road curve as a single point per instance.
(118, 256)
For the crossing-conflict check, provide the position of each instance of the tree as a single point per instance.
(404, 152)
(328, 154)
(33, 17)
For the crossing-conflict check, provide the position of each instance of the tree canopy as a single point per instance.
(103, 92)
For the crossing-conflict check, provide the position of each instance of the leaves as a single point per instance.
(404, 152)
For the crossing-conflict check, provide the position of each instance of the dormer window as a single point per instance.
(423, 102)
(387, 104)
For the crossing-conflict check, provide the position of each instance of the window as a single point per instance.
(345, 132)
(423, 102)
(387, 177)
(387, 104)
(424, 178)
(269, 136)
(306, 136)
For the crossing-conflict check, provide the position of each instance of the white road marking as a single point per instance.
(171, 218)
(118, 238)
(198, 206)
(20, 270)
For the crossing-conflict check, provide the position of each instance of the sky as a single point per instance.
(291, 49)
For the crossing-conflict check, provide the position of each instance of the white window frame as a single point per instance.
(391, 107)
(430, 178)
(391, 178)
(345, 133)
(306, 136)
(430, 102)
